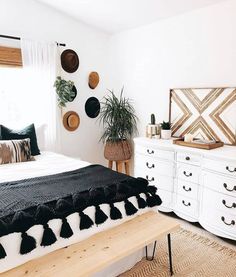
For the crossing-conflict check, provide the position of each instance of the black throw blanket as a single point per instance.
(28, 202)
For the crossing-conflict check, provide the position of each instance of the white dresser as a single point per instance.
(198, 185)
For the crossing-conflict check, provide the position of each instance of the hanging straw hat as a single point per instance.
(69, 60)
(71, 121)
(93, 80)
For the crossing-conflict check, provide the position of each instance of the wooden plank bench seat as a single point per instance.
(100, 250)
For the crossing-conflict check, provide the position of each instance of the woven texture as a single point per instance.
(118, 151)
(193, 256)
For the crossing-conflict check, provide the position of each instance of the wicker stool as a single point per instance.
(119, 166)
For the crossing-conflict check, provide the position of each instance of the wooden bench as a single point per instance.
(101, 250)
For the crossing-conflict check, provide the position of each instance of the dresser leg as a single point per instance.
(127, 167)
(170, 254)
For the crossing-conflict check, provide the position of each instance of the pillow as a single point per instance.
(27, 132)
(15, 151)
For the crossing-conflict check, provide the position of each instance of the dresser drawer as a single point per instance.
(222, 221)
(189, 173)
(219, 183)
(186, 205)
(154, 152)
(218, 201)
(224, 167)
(160, 181)
(187, 189)
(188, 158)
(154, 166)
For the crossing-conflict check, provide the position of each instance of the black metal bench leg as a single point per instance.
(170, 254)
(148, 258)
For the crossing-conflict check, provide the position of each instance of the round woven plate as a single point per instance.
(92, 107)
(71, 121)
(69, 60)
(93, 80)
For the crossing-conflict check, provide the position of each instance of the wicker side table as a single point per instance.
(119, 166)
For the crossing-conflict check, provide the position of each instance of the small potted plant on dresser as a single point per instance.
(119, 121)
(165, 130)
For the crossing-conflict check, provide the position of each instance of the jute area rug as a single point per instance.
(193, 256)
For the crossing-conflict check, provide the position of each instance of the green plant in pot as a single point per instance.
(165, 130)
(66, 91)
(119, 121)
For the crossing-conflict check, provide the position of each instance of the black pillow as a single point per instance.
(27, 132)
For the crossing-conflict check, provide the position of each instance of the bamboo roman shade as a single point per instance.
(10, 56)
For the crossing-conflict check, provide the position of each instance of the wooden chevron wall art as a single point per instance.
(208, 113)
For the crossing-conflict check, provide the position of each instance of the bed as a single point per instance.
(51, 164)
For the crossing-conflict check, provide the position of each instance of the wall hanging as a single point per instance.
(92, 107)
(93, 80)
(66, 91)
(71, 121)
(69, 60)
(207, 113)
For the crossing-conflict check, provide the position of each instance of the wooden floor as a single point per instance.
(99, 251)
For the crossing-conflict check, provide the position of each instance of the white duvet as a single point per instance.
(46, 164)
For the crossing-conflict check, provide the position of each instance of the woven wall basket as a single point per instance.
(118, 151)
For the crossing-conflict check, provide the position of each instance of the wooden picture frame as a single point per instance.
(208, 113)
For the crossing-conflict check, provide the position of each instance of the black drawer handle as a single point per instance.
(225, 186)
(150, 151)
(187, 205)
(189, 189)
(150, 166)
(226, 223)
(150, 180)
(187, 175)
(231, 171)
(229, 207)
(187, 158)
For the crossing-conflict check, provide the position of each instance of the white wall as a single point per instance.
(27, 18)
(195, 49)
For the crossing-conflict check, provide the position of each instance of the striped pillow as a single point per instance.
(15, 151)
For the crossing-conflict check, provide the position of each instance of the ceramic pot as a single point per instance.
(165, 134)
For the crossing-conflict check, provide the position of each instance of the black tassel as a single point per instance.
(141, 202)
(28, 244)
(48, 236)
(3, 253)
(63, 208)
(115, 212)
(21, 222)
(66, 231)
(153, 200)
(130, 208)
(43, 214)
(152, 189)
(85, 221)
(100, 216)
(80, 200)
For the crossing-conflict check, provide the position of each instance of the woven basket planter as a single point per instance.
(118, 151)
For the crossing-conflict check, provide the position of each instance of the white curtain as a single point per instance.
(40, 64)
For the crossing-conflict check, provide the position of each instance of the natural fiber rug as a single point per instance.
(193, 256)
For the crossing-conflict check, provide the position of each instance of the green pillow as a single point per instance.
(27, 132)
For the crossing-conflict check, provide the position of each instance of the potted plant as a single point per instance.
(165, 130)
(119, 121)
(66, 91)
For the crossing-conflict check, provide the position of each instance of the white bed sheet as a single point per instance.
(46, 164)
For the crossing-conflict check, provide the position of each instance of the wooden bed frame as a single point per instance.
(101, 250)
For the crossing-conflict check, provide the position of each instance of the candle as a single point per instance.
(188, 138)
